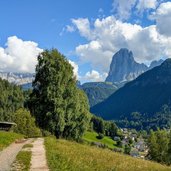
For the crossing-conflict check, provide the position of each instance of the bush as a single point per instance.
(100, 136)
(46, 133)
(25, 124)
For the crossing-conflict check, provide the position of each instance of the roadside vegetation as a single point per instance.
(23, 159)
(65, 155)
(22, 162)
(6, 138)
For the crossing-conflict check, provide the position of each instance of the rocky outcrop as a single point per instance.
(124, 68)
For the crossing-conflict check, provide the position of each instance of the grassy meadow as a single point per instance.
(63, 155)
(6, 138)
(92, 137)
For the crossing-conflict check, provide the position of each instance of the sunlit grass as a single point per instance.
(6, 138)
(92, 137)
(65, 155)
(22, 162)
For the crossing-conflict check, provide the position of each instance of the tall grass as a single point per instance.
(65, 155)
(6, 138)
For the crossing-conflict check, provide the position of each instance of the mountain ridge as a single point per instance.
(146, 94)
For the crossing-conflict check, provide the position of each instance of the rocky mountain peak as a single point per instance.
(124, 68)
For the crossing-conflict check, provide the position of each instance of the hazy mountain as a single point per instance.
(17, 78)
(124, 68)
(98, 91)
(155, 63)
(146, 94)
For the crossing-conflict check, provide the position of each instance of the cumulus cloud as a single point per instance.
(70, 28)
(106, 36)
(83, 25)
(163, 18)
(146, 4)
(94, 76)
(123, 8)
(75, 68)
(19, 55)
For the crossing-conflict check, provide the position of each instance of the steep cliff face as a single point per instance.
(124, 67)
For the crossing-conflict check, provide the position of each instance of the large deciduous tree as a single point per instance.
(57, 104)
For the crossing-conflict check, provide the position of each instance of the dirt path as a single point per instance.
(8, 155)
(38, 160)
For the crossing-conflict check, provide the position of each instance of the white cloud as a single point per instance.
(163, 18)
(83, 25)
(101, 10)
(146, 4)
(94, 76)
(75, 68)
(70, 28)
(106, 36)
(123, 8)
(19, 55)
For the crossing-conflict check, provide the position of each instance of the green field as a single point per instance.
(92, 137)
(65, 155)
(6, 138)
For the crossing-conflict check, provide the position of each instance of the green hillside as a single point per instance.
(65, 155)
(146, 94)
(98, 91)
(92, 137)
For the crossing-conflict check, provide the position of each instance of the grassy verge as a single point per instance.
(22, 162)
(6, 138)
(92, 137)
(65, 155)
(28, 146)
(23, 159)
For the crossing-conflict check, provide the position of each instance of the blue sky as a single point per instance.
(87, 32)
(43, 20)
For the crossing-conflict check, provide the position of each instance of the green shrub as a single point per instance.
(25, 124)
(100, 136)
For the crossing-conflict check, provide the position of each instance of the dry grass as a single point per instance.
(65, 155)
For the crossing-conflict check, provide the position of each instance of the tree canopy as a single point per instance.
(56, 102)
(11, 99)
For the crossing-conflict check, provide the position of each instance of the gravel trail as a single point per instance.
(38, 160)
(8, 155)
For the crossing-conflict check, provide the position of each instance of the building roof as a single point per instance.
(8, 123)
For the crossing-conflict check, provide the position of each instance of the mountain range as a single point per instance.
(17, 78)
(123, 69)
(146, 94)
